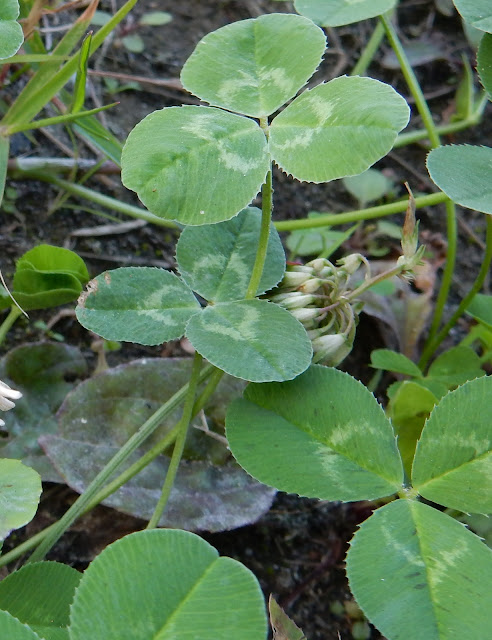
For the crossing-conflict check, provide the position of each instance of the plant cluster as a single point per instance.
(277, 330)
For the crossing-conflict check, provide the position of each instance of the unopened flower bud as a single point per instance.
(296, 301)
(6, 396)
(305, 315)
(295, 278)
(330, 350)
(410, 231)
(318, 264)
(350, 263)
(311, 285)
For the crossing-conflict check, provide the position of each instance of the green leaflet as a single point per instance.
(251, 339)
(335, 13)
(304, 437)
(481, 309)
(220, 157)
(255, 66)
(216, 260)
(20, 488)
(477, 13)
(40, 595)
(464, 173)
(453, 460)
(337, 129)
(11, 36)
(47, 276)
(13, 629)
(417, 573)
(144, 305)
(167, 584)
(484, 63)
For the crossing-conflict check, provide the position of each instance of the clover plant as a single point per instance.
(300, 427)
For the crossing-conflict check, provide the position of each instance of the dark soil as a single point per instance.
(297, 550)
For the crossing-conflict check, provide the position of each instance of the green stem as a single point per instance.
(334, 219)
(81, 504)
(62, 119)
(182, 432)
(432, 345)
(266, 217)
(448, 272)
(451, 226)
(415, 136)
(411, 80)
(124, 477)
(99, 198)
(369, 51)
(395, 271)
(14, 313)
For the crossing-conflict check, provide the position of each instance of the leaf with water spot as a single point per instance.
(216, 260)
(255, 66)
(337, 129)
(195, 165)
(305, 437)
(251, 339)
(336, 13)
(464, 173)
(137, 304)
(453, 460)
(418, 573)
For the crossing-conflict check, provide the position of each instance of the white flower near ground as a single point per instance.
(7, 395)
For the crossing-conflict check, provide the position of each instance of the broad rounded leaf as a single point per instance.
(481, 309)
(196, 165)
(477, 13)
(464, 173)
(167, 584)
(210, 492)
(44, 372)
(323, 435)
(47, 276)
(337, 129)
(13, 629)
(11, 36)
(255, 66)
(484, 63)
(335, 13)
(416, 573)
(46, 258)
(20, 488)
(137, 304)
(40, 595)
(254, 340)
(216, 260)
(453, 460)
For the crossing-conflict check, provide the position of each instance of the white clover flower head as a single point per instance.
(7, 395)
